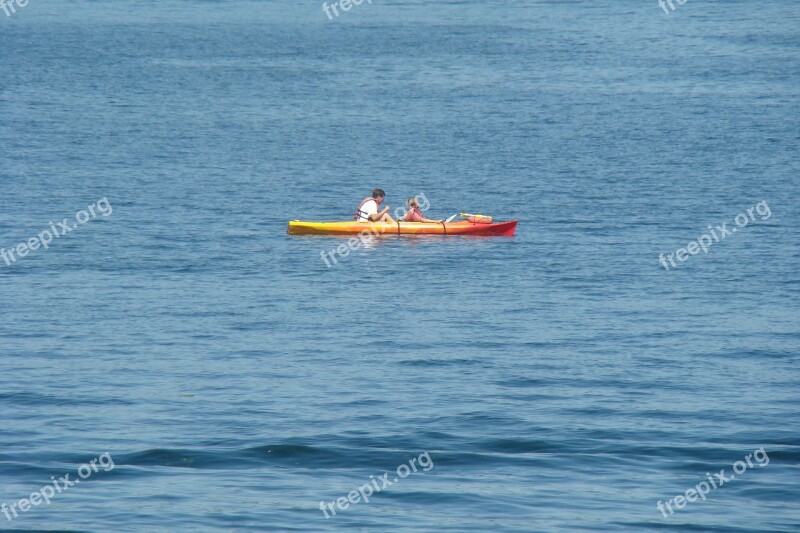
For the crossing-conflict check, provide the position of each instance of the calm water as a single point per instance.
(559, 380)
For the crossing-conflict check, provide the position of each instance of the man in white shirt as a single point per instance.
(368, 210)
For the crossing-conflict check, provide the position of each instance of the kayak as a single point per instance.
(462, 227)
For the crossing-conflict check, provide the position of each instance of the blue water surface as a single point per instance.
(559, 380)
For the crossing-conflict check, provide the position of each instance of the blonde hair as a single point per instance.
(412, 202)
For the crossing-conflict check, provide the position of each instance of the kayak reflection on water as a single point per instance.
(365, 239)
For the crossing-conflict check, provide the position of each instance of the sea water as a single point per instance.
(562, 379)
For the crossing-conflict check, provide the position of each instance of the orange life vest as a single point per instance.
(359, 212)
(413, 215)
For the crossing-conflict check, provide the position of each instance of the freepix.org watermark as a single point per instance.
(705, 241)
(62, 484)
(8, 6)
(370, 232)
(375, 485)
(344, 5)
(44, 238)
(714, 482)
(663, 5)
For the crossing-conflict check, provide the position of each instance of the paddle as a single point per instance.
(451, 218)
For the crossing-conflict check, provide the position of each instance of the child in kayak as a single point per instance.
(368, 210)
(414, 214)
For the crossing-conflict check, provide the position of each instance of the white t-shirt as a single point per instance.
(369, 208)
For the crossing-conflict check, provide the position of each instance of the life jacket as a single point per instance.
(359, 212)
(413, 215)
(480, 219)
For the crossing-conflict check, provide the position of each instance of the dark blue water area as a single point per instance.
(559, 380)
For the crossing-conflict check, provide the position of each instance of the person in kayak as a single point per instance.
(414, 214)
(368, 210)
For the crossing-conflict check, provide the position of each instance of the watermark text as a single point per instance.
(62, 484)
(375, 485)
(714, 482)
(60, 229)
(705, 241)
